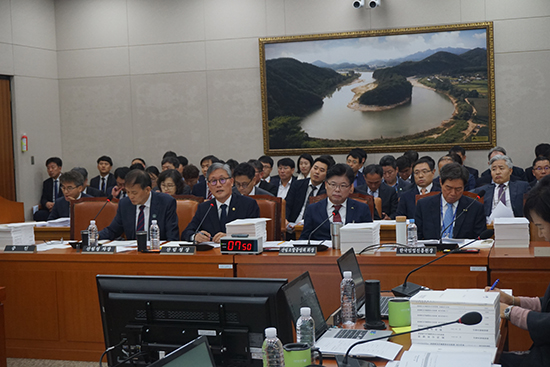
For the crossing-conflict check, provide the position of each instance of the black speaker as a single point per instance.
(372, 306)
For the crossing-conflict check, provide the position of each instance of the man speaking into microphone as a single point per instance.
(337, 207)
(450, 214)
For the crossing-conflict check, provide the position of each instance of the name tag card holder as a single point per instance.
(181, 250)
(29, 249)
(298, 251)
(417, 251)
(99, 249)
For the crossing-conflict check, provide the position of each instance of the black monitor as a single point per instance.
(162, 313)
(348, 262)
(193, 354)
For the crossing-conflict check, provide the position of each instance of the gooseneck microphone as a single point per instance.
(100, 210)
(319, 226)
(200, 224)
(410, 289)
(440, 245)
(470, 318)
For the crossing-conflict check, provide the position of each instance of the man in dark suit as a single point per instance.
(224, 208)
(339, 184)
(450, 212)
(72, 184)
(356, 159)
(391, 177)
(461, 152)
(285, 168)
(300, 191)
(541, 168)
(51, 190)
(424, 171)
(88, 190)
(375, 187)
(258, 181)
(105, 179)
(136, 211)
(119, 190)
(485, 178)
(502, 190)
(541, 150)
(244, 176)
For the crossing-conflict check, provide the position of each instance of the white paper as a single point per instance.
(52, 245)
(447, 359)
(500, 211)
(378, 348)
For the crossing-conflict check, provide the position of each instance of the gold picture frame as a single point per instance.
(423, 88)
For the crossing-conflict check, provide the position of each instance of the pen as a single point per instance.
(494, 284)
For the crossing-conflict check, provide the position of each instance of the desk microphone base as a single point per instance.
(353, 362)
(406, 290)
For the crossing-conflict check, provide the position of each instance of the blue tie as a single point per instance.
(447, 220)
(55, 190)
(223, 217)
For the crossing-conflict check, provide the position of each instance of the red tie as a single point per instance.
(209, 196)
(336, 218)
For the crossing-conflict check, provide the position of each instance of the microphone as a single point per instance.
(470, 318)
(319, 226)
(100, 210)
(200, 224)
(440, 245)
(410, 289)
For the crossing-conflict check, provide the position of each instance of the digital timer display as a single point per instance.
(233, 245)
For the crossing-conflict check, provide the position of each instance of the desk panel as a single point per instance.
(51, 233)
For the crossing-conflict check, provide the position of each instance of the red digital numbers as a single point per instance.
(239, 246)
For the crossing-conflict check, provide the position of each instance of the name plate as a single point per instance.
(299, 251)
(542, 252)
(417, 251)
(30, 249)
(181, 250)
(99, 250)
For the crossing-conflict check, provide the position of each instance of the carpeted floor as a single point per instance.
(20, 362)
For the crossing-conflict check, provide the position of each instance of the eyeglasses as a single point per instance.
(334, 185)
(242, 185)
(424, 172)
(222, 181)
(68, 188)
(545, 168)
(167, 185)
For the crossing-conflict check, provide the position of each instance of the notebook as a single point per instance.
(330, 341)
(348, 262)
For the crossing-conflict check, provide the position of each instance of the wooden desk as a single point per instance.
(526, 275)
(454, 271)
(51, 233)
(3, 356)
(52, 306)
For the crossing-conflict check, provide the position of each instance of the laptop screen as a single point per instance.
(193, 354)
(300, 293)
(348, 262)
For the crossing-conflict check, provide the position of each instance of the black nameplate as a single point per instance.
(99, 250)
(299, 251)
(30, 249)
(417, 251)
(181, 250)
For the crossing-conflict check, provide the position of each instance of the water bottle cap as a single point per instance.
(305, 311)
(270, 332)
(92, 221)
(154, 221)
(411, 221)
(347, 275)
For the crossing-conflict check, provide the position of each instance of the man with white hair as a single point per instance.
(502, 189)
(485, 177)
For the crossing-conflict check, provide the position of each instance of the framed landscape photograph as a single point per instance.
(426, 88)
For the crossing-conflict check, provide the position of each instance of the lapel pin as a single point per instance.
(233, 208)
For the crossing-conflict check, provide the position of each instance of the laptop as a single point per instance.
(348, 262)
(193, 354)
(331, 341)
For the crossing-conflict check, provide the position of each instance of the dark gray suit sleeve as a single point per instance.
(115, 229)
(171, 221)
(418, 220)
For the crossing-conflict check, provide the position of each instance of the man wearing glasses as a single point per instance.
(337, 206)
(245, 181)
(71, 184)
(222, 209)
(541, 167)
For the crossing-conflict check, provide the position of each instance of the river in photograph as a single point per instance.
(335, 120)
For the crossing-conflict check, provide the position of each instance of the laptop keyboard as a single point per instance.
(350, 334)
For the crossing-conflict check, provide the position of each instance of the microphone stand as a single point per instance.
(319, 226)
(200, 224)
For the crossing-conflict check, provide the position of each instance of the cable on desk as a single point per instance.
(124, 340)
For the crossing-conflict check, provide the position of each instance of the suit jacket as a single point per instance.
(275, 181)
(240, 207)
(264, 185)
(47, 192)
(96, 182)
(468, 225)
(199, 189)
(296, 197)
(474, 172)
(360, 179)
(516, 188)
(93, 192)
(389, 198)
(62, 208)
(533, 183)
(163, 209)
(407, 202)
(257, 191)
(402, 186)
(356, 212)
(529, 174)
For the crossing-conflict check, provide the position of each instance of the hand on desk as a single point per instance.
(219, 236)
(504, 297)
(204, 236)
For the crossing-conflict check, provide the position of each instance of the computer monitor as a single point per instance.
(196, 353)
(162, 313)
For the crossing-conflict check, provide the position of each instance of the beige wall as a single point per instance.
(138, 77)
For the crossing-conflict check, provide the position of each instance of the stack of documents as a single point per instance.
(511, 232)
(253, 227)
(60, 222)
(17, 234)
(359, 235)
(436, 307)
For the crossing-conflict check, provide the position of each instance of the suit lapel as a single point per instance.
(435, 213)
(460, 220)
(350, 212)
(488, 200)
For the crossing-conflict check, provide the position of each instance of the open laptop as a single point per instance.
(348, 262)
(193, 354)
(331, 341)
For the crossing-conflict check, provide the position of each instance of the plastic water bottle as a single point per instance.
(347, 299)
(154, 235)
(93, 234)
(412, 233)
(272, 349)
(305, 327)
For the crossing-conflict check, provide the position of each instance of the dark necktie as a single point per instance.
(209, 196)
(312, 193)
(55, 190)
(141, 219)
(336, 218)
(223, 217)
(501, 194)
(103, 184)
